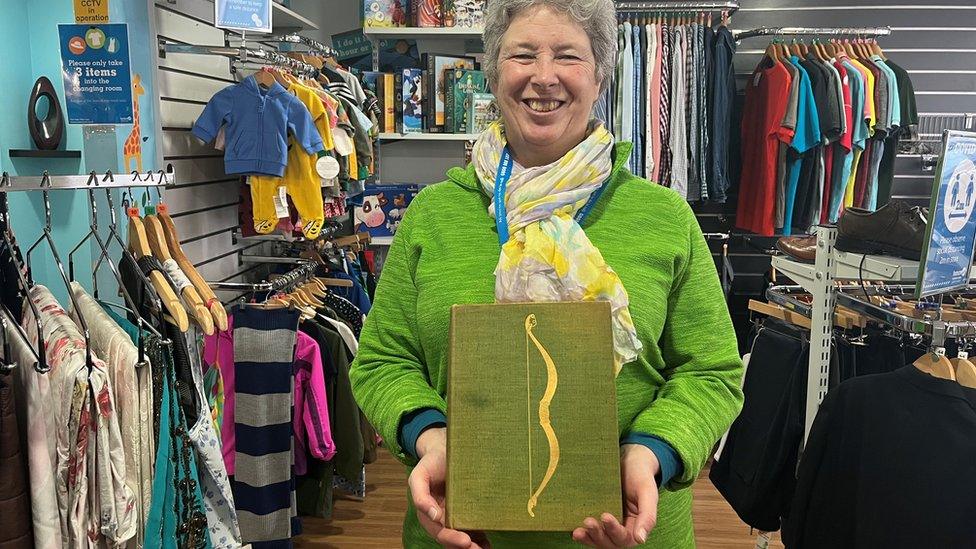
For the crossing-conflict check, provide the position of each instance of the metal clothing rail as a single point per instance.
(300, 274)
(91, 180)
(242, 54)
(314, 45)
(813, 31)
(629, 6)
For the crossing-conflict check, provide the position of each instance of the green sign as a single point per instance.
(351, 44)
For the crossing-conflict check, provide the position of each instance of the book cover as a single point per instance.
(384, 13)
(532, 440)
(387, 103)
(482, 111)
(466, 82)
(427, 13)
(382, 208)
(449, 84)
(437, 64)
(448, 13)
(398, 100)
(412, 100)
(468, 13)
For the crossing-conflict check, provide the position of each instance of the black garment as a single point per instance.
(755, 470)
(826, 104)
(909, 125)
(11, 293)
(720, 114)
(346, 311)
(889, 463)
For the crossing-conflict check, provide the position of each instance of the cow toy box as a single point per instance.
(383, 207)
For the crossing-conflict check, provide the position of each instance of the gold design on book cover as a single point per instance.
(552, 379)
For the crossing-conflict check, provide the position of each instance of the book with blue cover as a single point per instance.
(412, 99)
(382, 208)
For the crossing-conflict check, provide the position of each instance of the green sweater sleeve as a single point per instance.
(701, 395)
(389, 375)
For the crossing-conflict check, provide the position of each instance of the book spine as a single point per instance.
(414, 13)
(389, 109)
(400, 97)
(430, 97)
(449, 102)
(425, 101)
(469, 119)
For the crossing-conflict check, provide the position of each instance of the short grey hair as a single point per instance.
(597, 17)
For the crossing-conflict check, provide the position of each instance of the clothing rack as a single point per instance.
(303, 272)
(813, 31)
(627, 6)
(241, 54)
(314, 45)
(91, 180)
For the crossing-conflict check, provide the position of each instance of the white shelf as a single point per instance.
(423, 33)
(284, 19)
(429, 136)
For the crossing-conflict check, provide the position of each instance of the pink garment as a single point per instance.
(310, 419)
(218, 349)
(311, 411)
(655, 91)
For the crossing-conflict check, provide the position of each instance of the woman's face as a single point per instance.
(546, 85)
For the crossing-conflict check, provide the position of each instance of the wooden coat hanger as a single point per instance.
(772, 51)
(157, 243)
(139, 246)
(876, 48)
(965, 370)
(216, 308)
(936, 364)
(265, 78)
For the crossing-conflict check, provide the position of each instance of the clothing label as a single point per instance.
(95, 69)
(762, 540)
(91, 11)
(281, 202)
(756, 80)
(327, 167)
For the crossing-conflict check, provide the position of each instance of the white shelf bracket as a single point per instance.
(822, 323)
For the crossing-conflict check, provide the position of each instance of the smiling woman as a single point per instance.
(546, 211)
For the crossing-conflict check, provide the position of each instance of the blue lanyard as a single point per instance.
(502, 176)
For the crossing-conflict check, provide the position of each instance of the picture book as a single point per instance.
(482, 111)
(427, 13)
(436, 65)
(466, 13)
(384, 13)
(386, 98)
(382, 208)
(458, 84)
(412, 99)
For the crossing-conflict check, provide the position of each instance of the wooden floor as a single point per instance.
(376, 522)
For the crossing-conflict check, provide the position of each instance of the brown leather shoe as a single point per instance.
(895, 229)
(801, 248)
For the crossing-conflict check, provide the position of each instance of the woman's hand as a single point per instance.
(427, 483)
(638, 466)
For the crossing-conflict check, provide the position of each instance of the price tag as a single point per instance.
(762, 540)
(281, 203)
(327, 167)
(133, 211)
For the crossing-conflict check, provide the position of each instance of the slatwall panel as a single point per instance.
(935, 41)
(205, 202)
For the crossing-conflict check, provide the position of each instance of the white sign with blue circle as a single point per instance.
(951, 233)
(95, 72)
(243, 15)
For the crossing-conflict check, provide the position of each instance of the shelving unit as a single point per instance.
(284, 20)
(422, 33)
(31, 153)
(428, 136)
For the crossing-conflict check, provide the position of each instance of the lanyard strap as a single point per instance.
(504, 173)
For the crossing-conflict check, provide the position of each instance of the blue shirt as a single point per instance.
(257, 123)
(806, 135)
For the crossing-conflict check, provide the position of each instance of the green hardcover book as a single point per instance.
(449, 84)
(532, 440)
(465, 82)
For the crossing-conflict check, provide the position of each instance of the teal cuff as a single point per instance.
(671, 465)
(415, 423)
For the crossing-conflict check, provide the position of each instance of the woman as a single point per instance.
(547, 62)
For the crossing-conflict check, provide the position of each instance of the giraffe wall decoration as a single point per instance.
(132, 150)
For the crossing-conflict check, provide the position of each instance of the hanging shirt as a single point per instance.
(627, 84)
(766, 98)
(805, 137)
(720, 113)
(664, 162)
(782, 166)
(652, 99)
(637, 157)
(679, 135)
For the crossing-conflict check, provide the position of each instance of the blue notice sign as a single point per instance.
(951, 233)
(244, 15)
(95, 71)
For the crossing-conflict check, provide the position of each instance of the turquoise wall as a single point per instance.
(30, 49)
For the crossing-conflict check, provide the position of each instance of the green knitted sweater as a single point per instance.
(684, 387)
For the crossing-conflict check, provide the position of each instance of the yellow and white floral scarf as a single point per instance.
(548, 256)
